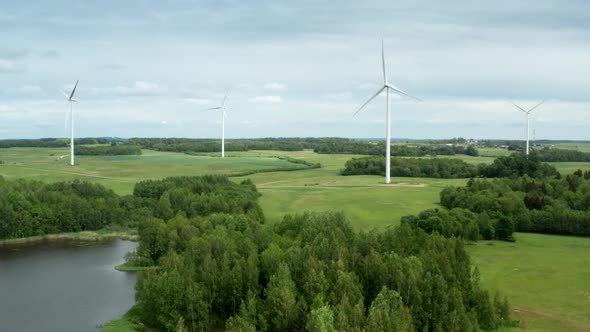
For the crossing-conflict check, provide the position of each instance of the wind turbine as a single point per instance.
(71, 100)
(388, 88)
(527, 113)
(222, 108)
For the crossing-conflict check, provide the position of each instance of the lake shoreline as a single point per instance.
(99, 235)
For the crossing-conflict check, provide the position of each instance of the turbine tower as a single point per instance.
(222, 108)
(527, 113)
(71, 100)
(388, 88)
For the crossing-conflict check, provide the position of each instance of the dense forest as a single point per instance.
(29, 208)
(223, 267)
(509, 166)
(107, 150)
(544, 205)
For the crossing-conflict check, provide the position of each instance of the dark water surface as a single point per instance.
(64, 285)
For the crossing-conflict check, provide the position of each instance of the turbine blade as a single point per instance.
(224, 113)
(66, 95)
(213, 108)
(74, 90)
(539, 104)
(368, 101)
(224, 97)
(520, 108)
(400, 92)
(383, 60)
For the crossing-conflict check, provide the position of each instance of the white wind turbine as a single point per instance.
(71, 100)
(527, 113)
(387, 87)
(222, 108)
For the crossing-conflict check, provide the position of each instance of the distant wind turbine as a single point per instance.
(527, 113)
(71, 100)
(387, 87)
(222, 108)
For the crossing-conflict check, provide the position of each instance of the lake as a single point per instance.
(64, 285)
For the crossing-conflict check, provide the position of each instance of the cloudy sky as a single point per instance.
(294, 68)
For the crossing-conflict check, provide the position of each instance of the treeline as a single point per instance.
(411, 167)
(510, 166)
(107, 150)
(33, 143)
(546, 205)
(462, 223)
(562, 155)
(53, 142)
(309, 272)
(30, 208)
(325, 145)
(372, 148)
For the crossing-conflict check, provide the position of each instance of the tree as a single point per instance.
(388, 314)
(281, 299)
(154, 239)
(321, 320)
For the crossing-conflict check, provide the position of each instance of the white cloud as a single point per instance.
(267, 99)
(9, 67)
(367, 86)
(138, 89)
(6, 109)
(198, 101)
(30, 89)
(275, 87)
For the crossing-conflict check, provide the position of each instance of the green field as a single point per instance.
(121, 172)
(580, 146)
(546, 278)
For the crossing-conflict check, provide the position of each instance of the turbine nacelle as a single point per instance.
(70, 97)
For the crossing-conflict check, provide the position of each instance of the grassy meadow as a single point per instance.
(120, 173)
(546, 278)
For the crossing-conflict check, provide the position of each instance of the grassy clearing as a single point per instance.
(580, 146)
(546, 279)
(494, 152)
(569, 167)
(99, 235)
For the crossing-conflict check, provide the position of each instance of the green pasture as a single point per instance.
(580, 146)
(121, 172)
(546, 279)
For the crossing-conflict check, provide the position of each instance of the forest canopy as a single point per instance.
(509, 166)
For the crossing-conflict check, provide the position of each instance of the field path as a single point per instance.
(573, 324)
(76, 173)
